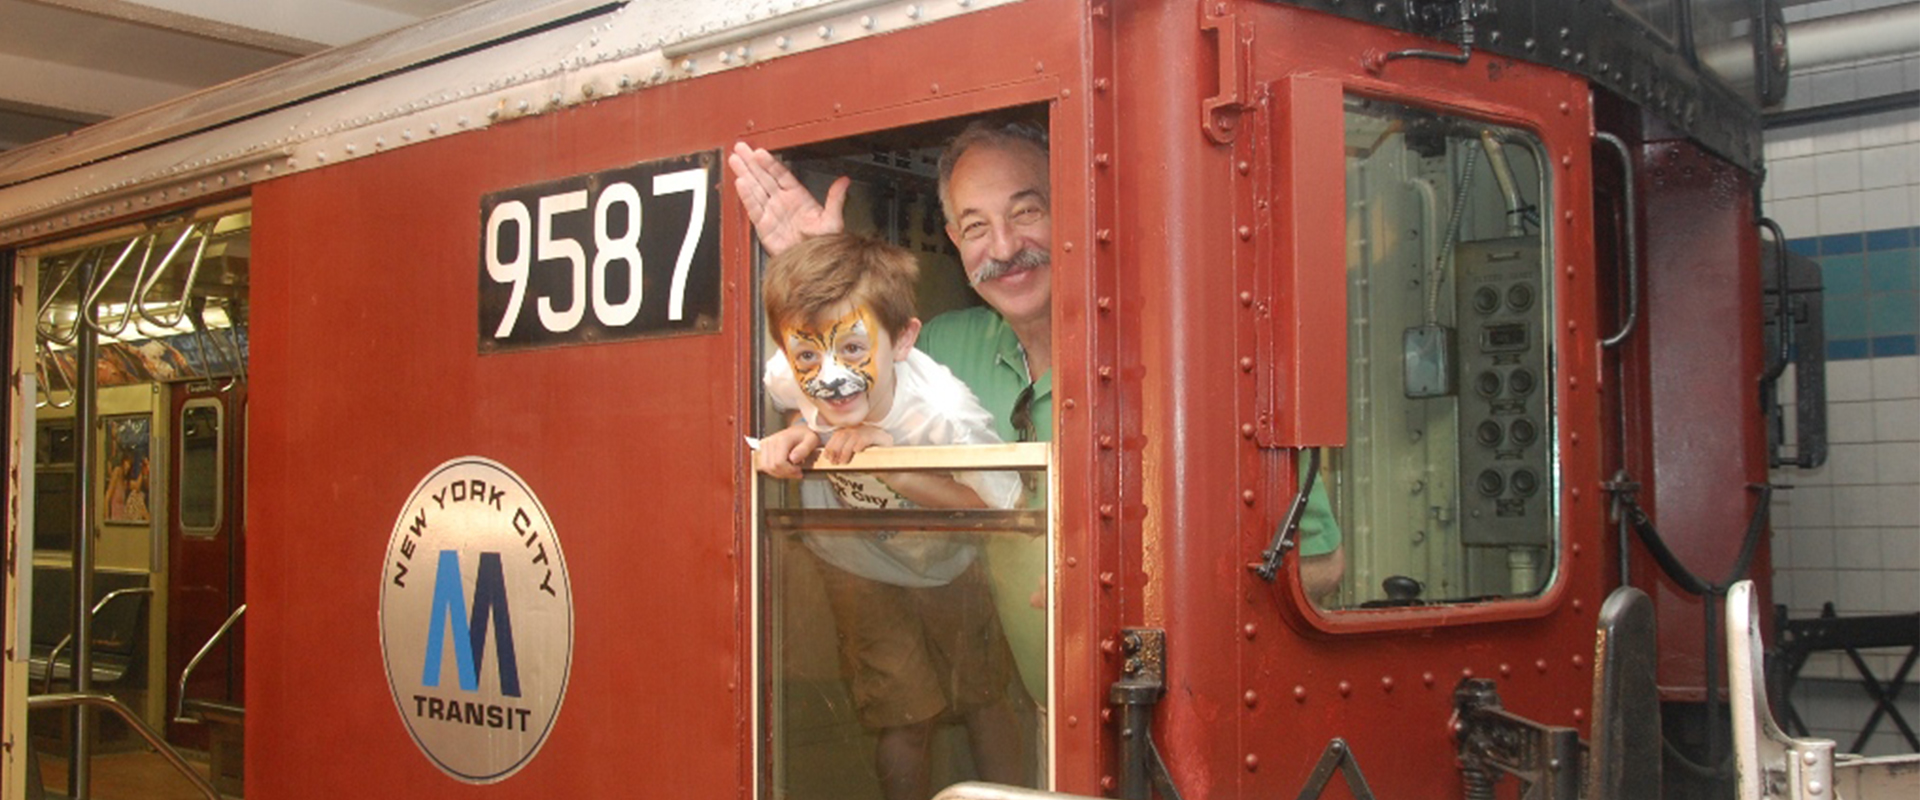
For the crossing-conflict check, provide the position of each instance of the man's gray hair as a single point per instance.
(995, 133)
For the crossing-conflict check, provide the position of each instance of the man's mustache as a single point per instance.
(1028, 258)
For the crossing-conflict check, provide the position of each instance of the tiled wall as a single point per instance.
(1847, 192)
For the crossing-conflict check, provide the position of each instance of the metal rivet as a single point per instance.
(1300, 693)
(1345, 688)
(1247, 496)
(1106, 511)
(1246, 233)
(1253, 762)
(1250, 699)
(1246, 430)
(1386, 683)
(1246, 299)
(1426, 678)
(1243, 167)
(1106, 579)
(1073, 722)
(1106, 442)
(1249, 630)
(1102, 160)
(1506, 670)
(1540, 665)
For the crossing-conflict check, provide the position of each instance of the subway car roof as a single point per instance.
(495, 61)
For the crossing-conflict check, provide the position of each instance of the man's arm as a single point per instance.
(783, 212)
(1320, 575)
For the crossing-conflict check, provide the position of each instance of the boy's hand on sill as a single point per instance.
(782, 454)
(848, 441)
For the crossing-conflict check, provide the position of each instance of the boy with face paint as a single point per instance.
(920, 639)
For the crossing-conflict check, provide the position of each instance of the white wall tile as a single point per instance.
(1833, 136)
(1795, 142)
(1885, 129)
(1902, 589)
(1837, 172)
(1857, 549)
(1898, 463)
(1794, 177)
(1812, 548)
(1855, 507)
(1912, 66)
(1841, 213)
(1896, 420)
(1901, 506)
(1852, 464)
(1879, 79)
(1850, 422)
(1883, 167)
(1850, 380)
(1799, 217)
(1901, 550)
(1859, 593)
(1893, 377)
(1812, 506)
(1811, 588)
(1884, 208)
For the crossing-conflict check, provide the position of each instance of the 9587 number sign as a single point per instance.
(622, 254)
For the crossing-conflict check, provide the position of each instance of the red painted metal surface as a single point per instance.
(1382, 680)
(1701, 446)
(365, 375)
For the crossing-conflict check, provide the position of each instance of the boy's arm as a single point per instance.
(923, 489)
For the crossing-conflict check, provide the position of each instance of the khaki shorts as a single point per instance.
(912, 654)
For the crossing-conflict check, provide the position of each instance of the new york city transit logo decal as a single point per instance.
(476, 620)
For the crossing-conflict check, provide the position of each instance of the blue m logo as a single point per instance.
(470, 645)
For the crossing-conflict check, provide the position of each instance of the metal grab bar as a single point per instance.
(180, 707)
(975, 790)
(41, 356)
(186, 290)
(86, 312)
(1632, 247)
(45, 328)
(53, 658)
(209, 342)
(46, 701)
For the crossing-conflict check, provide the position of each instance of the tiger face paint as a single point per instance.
(844, 364)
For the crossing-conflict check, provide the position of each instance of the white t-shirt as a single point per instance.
(930, 407)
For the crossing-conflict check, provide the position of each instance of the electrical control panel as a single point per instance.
(1505, 390)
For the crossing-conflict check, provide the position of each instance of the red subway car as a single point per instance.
(1399, 387)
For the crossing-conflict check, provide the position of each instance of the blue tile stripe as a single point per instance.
(1872, 285)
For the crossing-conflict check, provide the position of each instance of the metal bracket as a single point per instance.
(1337, 756)
(1494, 741)
(1143, 681)
(1220, 114)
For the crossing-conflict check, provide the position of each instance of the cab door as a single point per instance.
(205, 546)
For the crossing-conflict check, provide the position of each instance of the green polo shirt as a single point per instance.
(981, 349)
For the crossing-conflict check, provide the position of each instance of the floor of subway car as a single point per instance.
(131, 775)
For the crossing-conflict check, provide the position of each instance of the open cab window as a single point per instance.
(1447, 489)
(900, 643)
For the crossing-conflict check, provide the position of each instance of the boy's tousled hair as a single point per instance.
(813, 276)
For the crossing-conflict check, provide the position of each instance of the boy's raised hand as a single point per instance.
(783, 212)
(781, 454)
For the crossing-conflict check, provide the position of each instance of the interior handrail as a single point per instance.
(86, 312)
(186, 290)
(180, 708)
(42, 325)
(47, 701)
(42, 354)
(53, 658)
(203, 333)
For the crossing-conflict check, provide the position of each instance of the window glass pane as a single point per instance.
(1447, 489)
(200, 477)
(904, 643)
